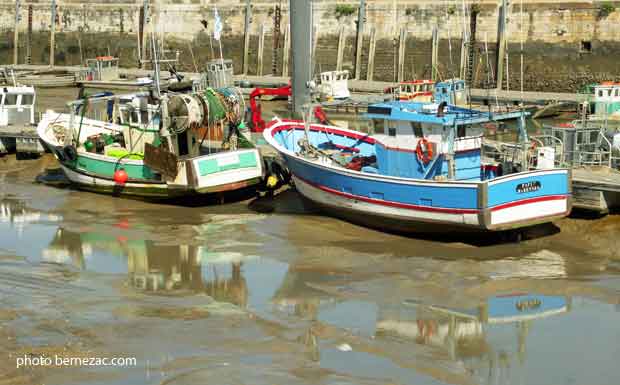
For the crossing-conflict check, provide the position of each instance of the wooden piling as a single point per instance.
(261, 48)
(501, 43)
(463, 66)
(29, 36)
(341, 43)
(402, 43)
(16, 34)
(372, 46)
(434, 54)
(246, 36)
(276, 40)
(315, 39)
(52, 33)
(144, 21)
(359, 40)
(287, 50)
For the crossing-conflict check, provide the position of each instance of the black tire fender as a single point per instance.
(69, 153)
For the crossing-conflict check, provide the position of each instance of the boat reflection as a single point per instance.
(152, 267)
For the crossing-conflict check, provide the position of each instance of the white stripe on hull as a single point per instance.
(529, 211)
(364, 208)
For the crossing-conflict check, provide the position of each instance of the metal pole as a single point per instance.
(16, 33)
(301, 45)
(52, 31)
(361, 19)
(246, 42)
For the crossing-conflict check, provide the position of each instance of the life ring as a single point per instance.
(69, 153)
(424, 154)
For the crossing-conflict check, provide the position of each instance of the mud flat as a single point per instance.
(263, 291)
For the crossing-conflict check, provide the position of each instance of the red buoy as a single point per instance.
(120, 176)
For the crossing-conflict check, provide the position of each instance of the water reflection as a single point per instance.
(150, 266)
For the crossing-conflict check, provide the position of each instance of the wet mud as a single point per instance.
(264, 291)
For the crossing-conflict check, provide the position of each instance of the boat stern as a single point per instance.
(219, 172)
(526, 198)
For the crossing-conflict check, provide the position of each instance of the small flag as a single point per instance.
(217, 28)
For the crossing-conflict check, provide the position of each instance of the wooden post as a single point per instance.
(402, 43)
(29, 36)
(79, 39)
(16, 34)
(145, 20)
(246, 38)
(501, 43)
(287, 49)
(276, 39)
(463, 65)
(371, 54)
(341, 43)
(315, 39)
(261, 47)
(359, 40)
(52, 32)
(434, 56)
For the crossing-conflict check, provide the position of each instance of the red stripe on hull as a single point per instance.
(528, 201)
(390, 203)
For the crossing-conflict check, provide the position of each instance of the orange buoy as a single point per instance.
(120, 176)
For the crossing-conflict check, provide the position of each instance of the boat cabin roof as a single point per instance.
(607, 91)
(17, 96)
(103, 59)
(428, 113)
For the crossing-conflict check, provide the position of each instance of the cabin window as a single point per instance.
(392, 131)
(417, 129)
(600, 93)
(444, 91)
(616, 93)
(10, 99)
(27, 99)
(586, 46)
(134, 117)
(461, 131)
(144, 117)
(378, 126)
(609, 92)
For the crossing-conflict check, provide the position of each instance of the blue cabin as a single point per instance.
(422, 140)
(451, 91)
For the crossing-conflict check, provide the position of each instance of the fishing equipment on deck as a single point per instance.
(203, 110)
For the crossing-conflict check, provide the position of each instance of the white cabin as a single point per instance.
(334, 85)
(17, 105)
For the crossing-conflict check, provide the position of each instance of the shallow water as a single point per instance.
(262, 291)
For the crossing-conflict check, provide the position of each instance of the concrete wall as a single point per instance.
(566, 44)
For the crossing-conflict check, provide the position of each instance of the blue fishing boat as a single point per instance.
(421, 169)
